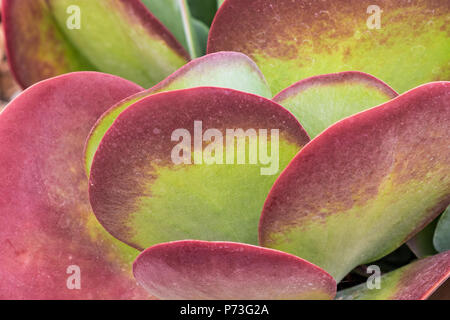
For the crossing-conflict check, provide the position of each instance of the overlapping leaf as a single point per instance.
(223, 69)
(170, 169)
(203, 10)
(416, 281)
(162, 169)
(48, 38)
(49, 236)
(176, 16)
(365, 185)
(405, 43)
(422, 243)
(320, 101)
(226, 270)
(441, 238)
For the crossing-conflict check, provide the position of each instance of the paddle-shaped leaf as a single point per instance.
(422, 243)
(52, 247)
(321, 101)
(227, 270)
(223, 69)
(191, 164)
(405, 43)
(441, 239)
(416, 281)
(46, 38)
(176, 16)
(365, 185)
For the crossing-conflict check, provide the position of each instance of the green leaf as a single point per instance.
(416, 281)
(169, 13)
(203, 10)
(365, 185)
(143, 195)
(202, 32)
(200, 270)
(320, 101)
(48, 38)
(422, 243)
(176, 16)
(441, 239)
(294, 40)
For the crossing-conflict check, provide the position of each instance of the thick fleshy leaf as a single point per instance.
(201, 270)
(293, 40)
(441, 239)
(223, 69)
(153, 180)
(202, 32)
(422, 243)
(118, 37)
(176, 16)
(416, 281)
(365, 185)
(49, 236)
(321, 101)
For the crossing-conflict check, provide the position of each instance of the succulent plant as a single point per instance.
(269, 168)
